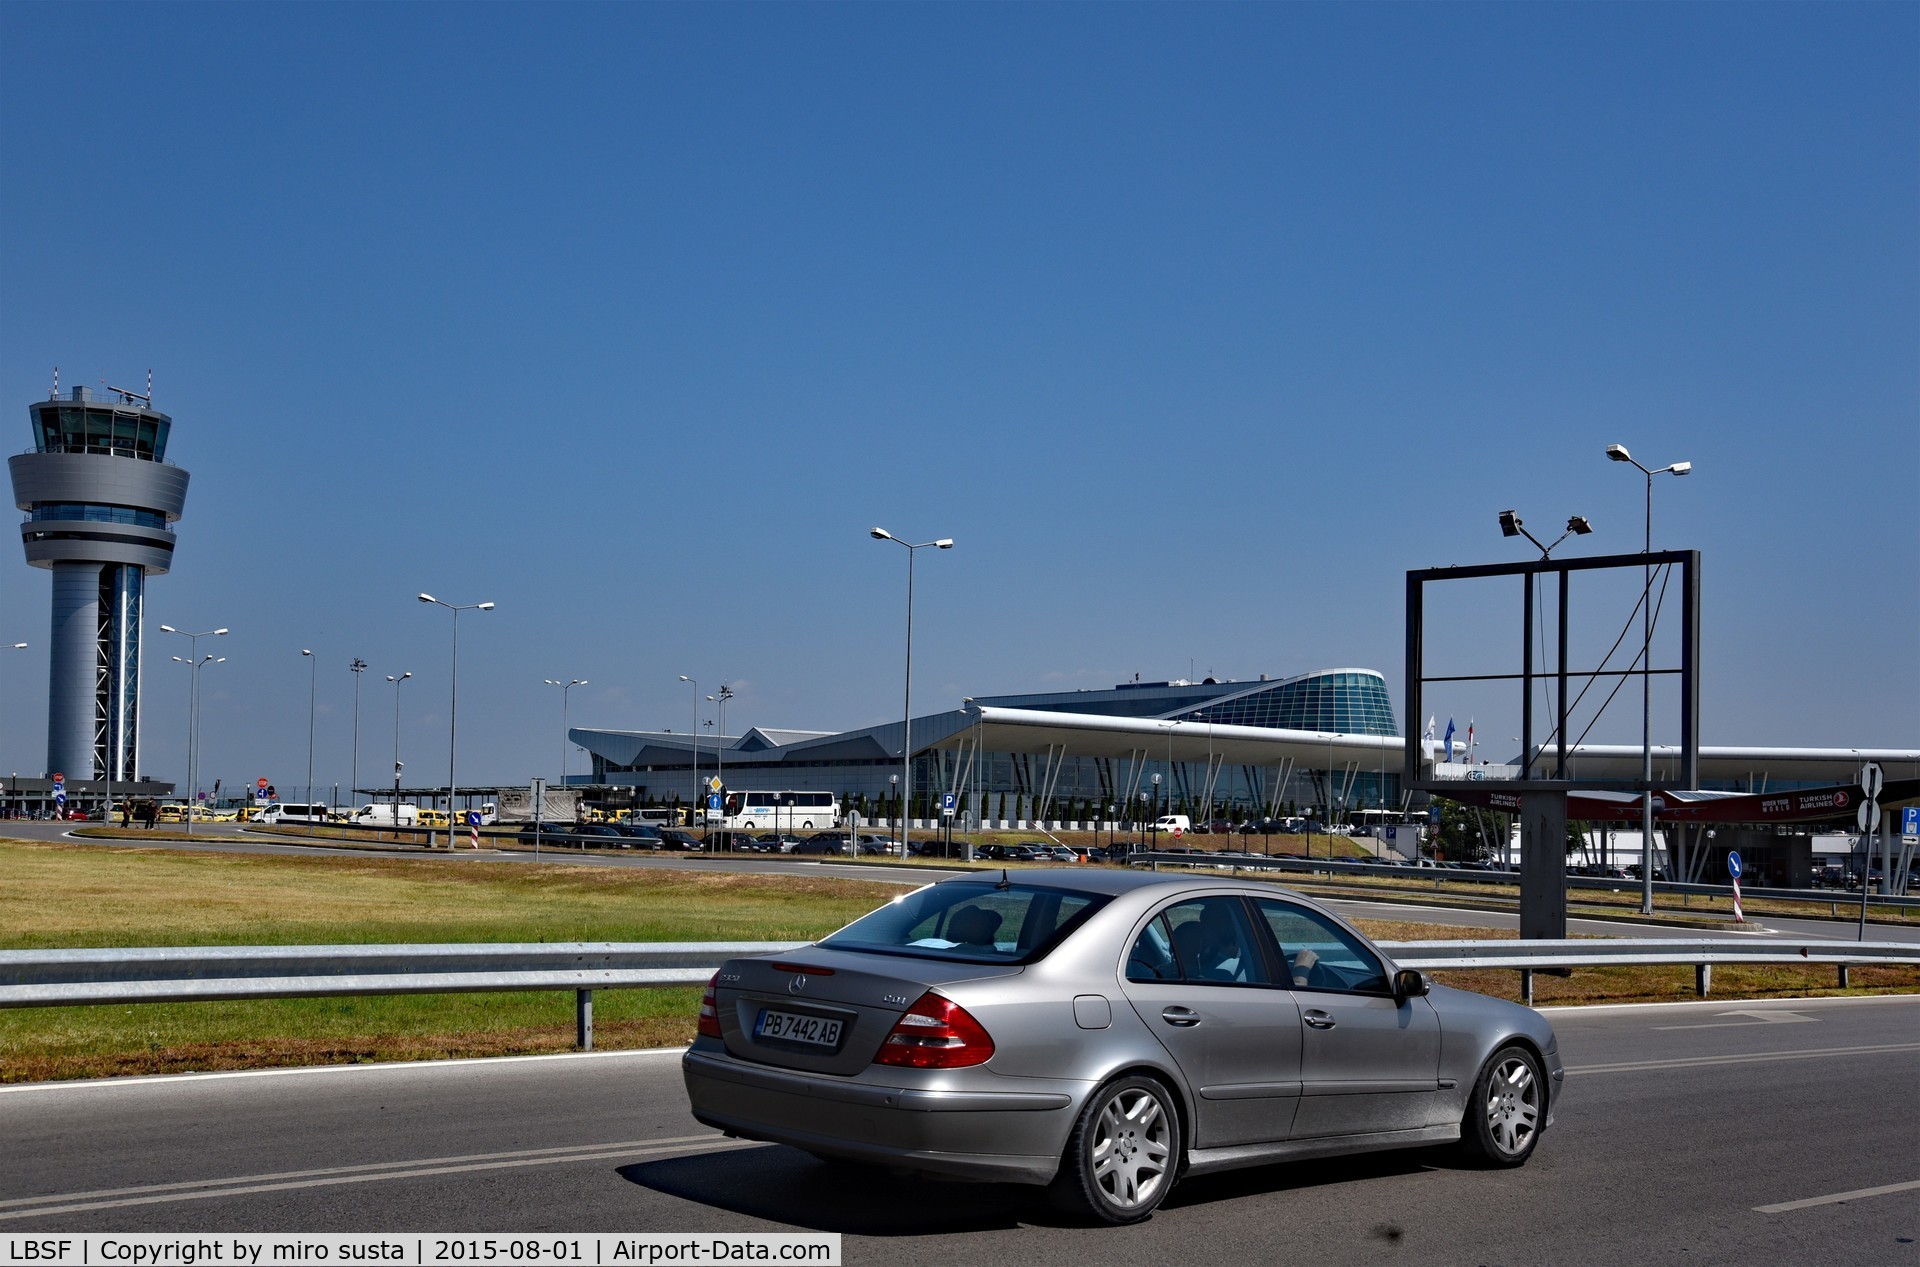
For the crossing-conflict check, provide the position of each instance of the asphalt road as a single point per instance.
(1683, 1131)
(227, 838)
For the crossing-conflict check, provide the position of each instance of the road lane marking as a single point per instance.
(1776, 1016)
(242, 1185)
(167, 1079)
(1884, 1190)
(1743, 1058)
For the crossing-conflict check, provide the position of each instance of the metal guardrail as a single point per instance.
(1457, 875)
(172, 974)
(1528, 957)
(178, 974)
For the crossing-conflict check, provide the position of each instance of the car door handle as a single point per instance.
(1181, 1016)
(1317, 1019)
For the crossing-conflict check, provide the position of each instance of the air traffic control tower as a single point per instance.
(101, 501)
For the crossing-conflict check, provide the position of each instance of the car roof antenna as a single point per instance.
(1004, 882)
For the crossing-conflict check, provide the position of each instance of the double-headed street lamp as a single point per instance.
(313, 695)
(720, 743)
(193, 705)
(358, 667)
(453, 709)
(193, 731)
(906, 728)
(396, 742)
(1618, 453)
(695, 732)
(566, 688)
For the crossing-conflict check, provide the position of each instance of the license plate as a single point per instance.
(815, 1031)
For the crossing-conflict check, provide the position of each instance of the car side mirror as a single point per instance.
(1409, 983)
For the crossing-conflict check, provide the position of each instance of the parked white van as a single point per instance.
(387, 815)
(1174, 824)
(286, 812)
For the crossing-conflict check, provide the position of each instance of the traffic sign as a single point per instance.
(714, 784)
(58, 779)
(713, 802)
(1910, 821)
(473, 818)
(1872, 780)
(1733, 863)
(1868, 815)
(947, 803)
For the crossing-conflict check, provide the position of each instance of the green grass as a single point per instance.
(77, 895)
(69, 895)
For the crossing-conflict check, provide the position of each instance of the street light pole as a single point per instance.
(396, 743)
(313, 695)
(720, 745)
(358, 667)
(453, 709)
(695, 730)
(566, 689)
(193, 731)
(1618, 453)
(906, 726)
(193, 706)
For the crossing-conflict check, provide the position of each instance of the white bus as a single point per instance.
(776, 811)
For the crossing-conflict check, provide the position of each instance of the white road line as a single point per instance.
(1884, 1190)
(168, 1079)
(400, 1170)
(1743, 1058)
(345, 1170)
(1574, 1011)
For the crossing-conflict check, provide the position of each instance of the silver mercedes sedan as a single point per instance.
(1105, 1034)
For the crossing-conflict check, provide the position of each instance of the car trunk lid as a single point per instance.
(825, 1011)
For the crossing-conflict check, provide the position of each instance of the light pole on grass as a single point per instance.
(358, 667)
(1618, 453)
(396, 742)
(696, 802)
(313, 696)
(566, 689)
(720, 746)
(193, 705)
(193, 731)
(906, 727)
(453, 709)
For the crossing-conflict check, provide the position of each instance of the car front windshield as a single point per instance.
(972, 921)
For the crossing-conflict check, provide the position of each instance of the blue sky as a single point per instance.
(1196, 326)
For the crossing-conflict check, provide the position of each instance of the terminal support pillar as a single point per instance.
(1543, 865)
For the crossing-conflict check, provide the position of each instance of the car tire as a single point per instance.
(1506, 1110)
(1123, 1153)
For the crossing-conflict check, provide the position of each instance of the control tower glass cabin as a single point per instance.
(101, 501)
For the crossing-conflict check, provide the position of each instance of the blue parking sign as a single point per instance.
(1910, 821)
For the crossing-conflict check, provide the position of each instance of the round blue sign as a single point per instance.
(473, 818)
(1733, 863)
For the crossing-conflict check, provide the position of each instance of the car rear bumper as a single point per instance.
(993, 1136)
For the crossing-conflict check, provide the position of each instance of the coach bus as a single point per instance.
(776, 811)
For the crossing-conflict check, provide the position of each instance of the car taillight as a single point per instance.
(710, 1010)
(936, 1033)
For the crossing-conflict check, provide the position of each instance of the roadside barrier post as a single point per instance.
(583, 1019)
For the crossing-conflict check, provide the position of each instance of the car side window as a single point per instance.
(1151, 958)
(1319, 954)
(1207, 941)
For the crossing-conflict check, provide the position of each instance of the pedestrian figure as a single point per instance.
(126, 813)
(150, 813)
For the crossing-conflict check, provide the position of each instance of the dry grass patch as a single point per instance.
(75, 895)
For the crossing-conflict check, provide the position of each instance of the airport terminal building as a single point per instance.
(1327, 737)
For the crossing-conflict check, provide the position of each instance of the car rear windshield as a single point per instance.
(976, 922)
